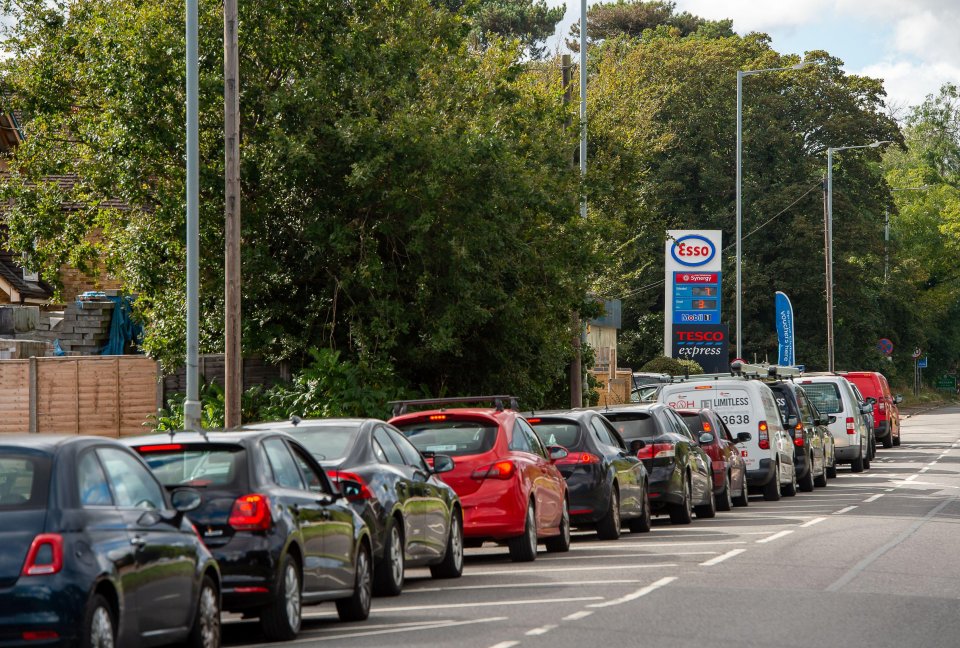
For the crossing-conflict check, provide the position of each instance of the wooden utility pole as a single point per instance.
(233, 364)
(576, 367)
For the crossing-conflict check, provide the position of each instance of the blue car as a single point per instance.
(94, 553)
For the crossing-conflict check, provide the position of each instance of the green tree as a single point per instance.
(405, 200)
(632, 18)
(529, 21)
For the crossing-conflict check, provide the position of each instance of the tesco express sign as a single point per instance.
(693, 250)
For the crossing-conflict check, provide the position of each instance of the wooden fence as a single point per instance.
(102, 395)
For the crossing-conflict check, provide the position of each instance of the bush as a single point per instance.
(672, 366)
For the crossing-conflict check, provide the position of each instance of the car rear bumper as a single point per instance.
(492, 516)
(881, 430)
(663, 486)
(762, 475)
(248, 568)
(847, 454)
(589, 496)
(45, 605)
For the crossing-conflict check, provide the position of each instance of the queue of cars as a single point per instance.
(145, 541)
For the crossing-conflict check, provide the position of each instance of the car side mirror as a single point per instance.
(898, 399)
(152, 517)
(831, 419)
(556, 452)
(866, 408)
(743, 437)
(185, 500)
(442, 463)
(706, 438)
(872, 400)
(792, 421)
(637, 445)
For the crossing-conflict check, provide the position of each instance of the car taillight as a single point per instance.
(851, 429)
(498, 470)
(45, 556)
(352, 485)
(656, 451)
(250, 513)
(763, 435)
(40, 635)
(163, 447)
(798, 435)
(578, 458)
(707, 427)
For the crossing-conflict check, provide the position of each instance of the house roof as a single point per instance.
(12, 272)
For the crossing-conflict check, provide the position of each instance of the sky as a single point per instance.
(913, 45)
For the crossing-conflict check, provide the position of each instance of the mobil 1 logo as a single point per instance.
(708, 345)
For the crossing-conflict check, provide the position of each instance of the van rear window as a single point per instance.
(450, 436)
(826, 396)
(23, 482)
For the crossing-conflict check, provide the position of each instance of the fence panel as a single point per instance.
(14, 396)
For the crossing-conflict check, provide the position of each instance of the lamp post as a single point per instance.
(829, 251)
(740, 75)
(191, 406)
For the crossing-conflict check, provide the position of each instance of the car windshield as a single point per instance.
(326, 442)
(553, 432)
(633, 425)
(451, 436)
(826, 396)
(692, 421)
(201, 466)
(23, 481)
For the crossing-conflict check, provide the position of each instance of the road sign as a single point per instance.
(885, 346)
(946, 383)
(916, 353)
(922, 362)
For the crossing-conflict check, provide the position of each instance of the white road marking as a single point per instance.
(620, 546)
(844, 510)
(451, 606)
(652, 554)
(544, 570)
(363, 632)
(506, 644)
(932, 463)
(576, 616)
(873, 498)
(911, 477)
(923, 470)
(721, 558)
(539, 631)
(415, 590)
(810, 523)
(643, 591)
(775, 536)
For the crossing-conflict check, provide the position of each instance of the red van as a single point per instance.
(886, 414)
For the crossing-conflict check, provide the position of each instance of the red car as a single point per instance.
(729, 469)
(509, 487)
(886, 414)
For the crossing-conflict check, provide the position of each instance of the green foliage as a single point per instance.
(529, 21)
(212, 410)
(631, 18)
(672, 366)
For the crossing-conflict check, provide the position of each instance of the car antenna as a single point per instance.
(295, 419)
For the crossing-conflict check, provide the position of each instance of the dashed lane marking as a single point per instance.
(874, 498)
(506, 644)
(844, 510)
(643, 591)
(810, 523)
(303, 639)
(543, 570)
(775, 536)
(719, 559)
(452, 606)
(540, 631)
(500, 586)
(576, 616)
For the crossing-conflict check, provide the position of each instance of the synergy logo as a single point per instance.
(693, 250)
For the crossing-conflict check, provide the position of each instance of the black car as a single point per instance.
(93, 553)
(679, 471)
(283, 535)
(606, 484)
(810, 444)
(414, 518)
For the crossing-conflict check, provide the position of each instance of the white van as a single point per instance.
(745, 406)
(834, 396)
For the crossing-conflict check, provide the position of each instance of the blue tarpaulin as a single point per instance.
(122, 327)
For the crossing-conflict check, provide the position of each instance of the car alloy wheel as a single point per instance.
(101, 627)
(452, 564)
(206, 632)
(725, 498)
(523, 548)
(280, 619)
(609, 527)
(561, 543)
(364, 584)
(291, 593)
(356, 607)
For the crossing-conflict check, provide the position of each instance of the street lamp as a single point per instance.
(740, 75)
(828, 226)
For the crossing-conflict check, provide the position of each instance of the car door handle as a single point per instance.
(138, 541)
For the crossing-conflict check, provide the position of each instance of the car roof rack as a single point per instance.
(401, 406)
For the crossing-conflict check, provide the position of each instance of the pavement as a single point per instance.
(871, 560)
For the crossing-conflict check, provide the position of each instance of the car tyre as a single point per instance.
(206, 624)
(609, 527)
(388, 573)
(858, 464)
(896, 440)
(832, 471)
(561, 543)
(771, 490)
(682, 513)
(821, 481)
(452, 564)
(724, 499)
(743, 499)
(356, 607)
(100, 624)
(888, 440)
(806, 484)
(523, 548)
(790, 490)
(642, 524)
(280, 619)
(709, 509)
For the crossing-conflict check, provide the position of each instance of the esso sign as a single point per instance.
(700, 336)
(693, 250)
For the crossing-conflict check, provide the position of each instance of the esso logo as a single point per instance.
(693, 250)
